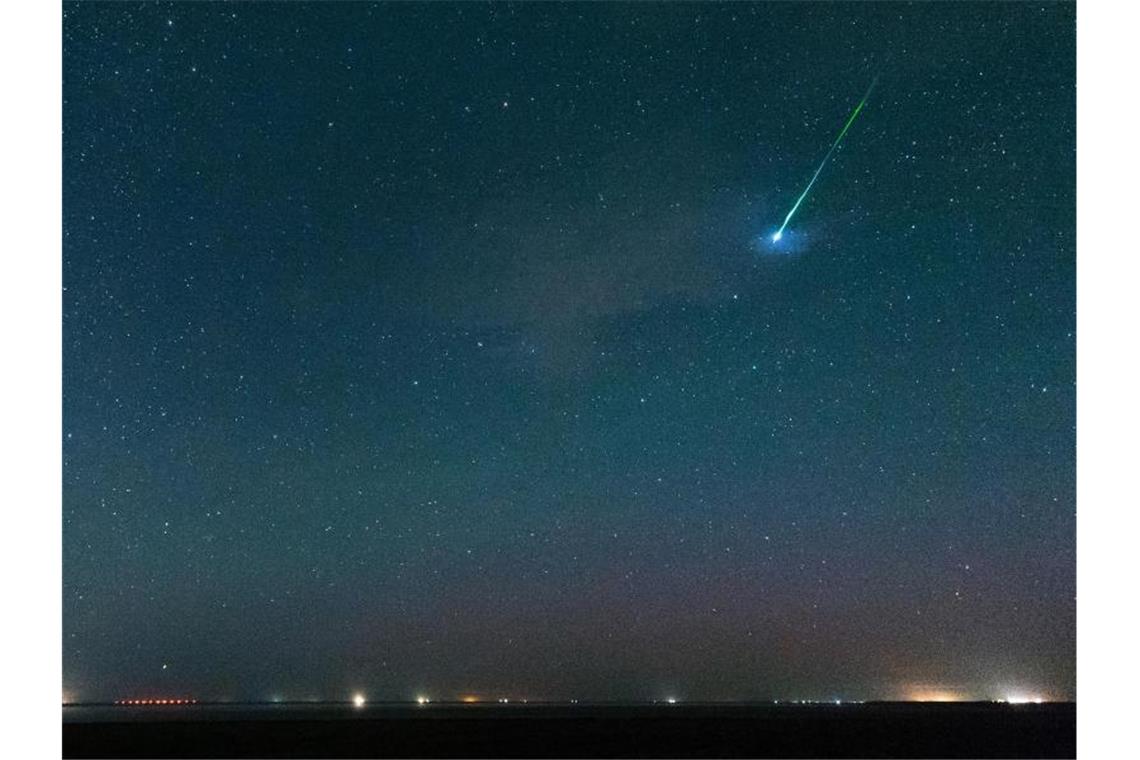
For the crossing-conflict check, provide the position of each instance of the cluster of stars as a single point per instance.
(461, 355)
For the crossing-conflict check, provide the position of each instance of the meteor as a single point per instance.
(780, 232)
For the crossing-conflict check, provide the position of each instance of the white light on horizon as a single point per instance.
(358, 700)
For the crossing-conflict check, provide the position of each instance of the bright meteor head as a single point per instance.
(776, 237)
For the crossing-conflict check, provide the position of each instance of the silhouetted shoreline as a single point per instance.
(873, 729)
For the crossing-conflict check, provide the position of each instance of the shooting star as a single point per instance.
(780, 232)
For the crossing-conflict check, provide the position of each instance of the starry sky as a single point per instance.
(444, 350)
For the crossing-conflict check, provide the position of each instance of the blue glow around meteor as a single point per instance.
(773, 244)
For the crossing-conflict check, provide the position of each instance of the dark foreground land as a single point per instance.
(849, 730)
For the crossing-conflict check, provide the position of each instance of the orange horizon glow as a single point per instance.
(936, 693)
(937, 696)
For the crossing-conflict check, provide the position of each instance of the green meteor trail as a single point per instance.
(780, 232)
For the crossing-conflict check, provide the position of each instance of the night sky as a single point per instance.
(444, 350)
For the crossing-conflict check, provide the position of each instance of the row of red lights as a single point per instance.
(156, 701)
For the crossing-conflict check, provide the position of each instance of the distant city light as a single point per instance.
(1022, 699)
(672, 700)
(935, 696)
(156, 702)
(422, 700)
(358, 700)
